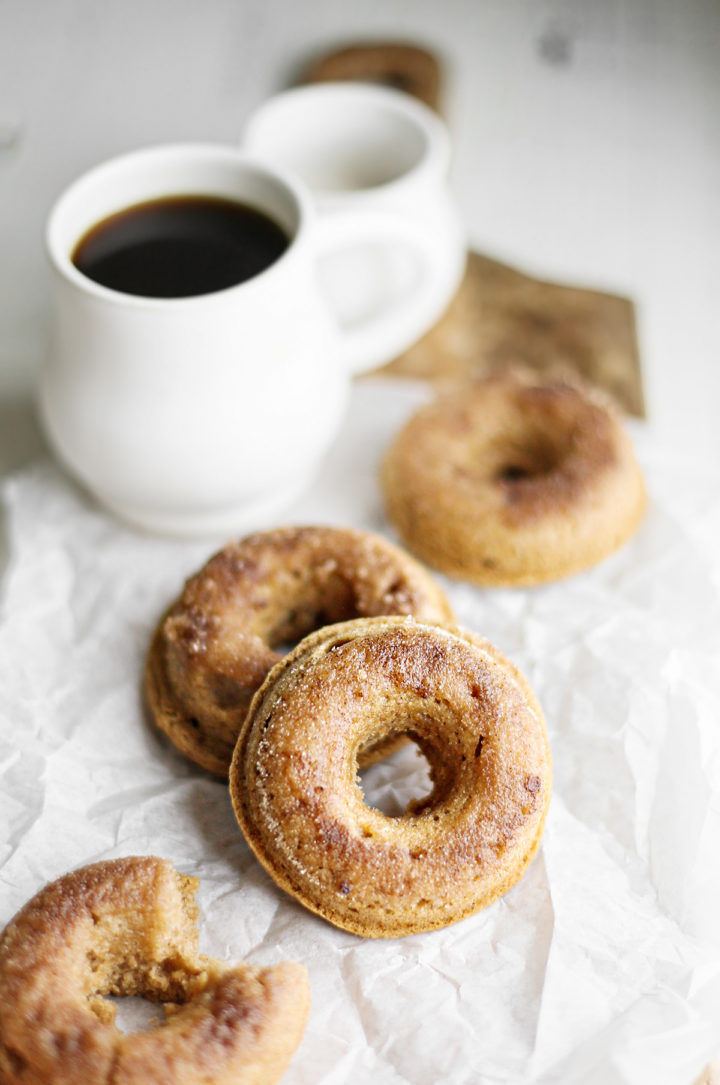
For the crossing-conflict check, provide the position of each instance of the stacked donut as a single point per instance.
(378, 661)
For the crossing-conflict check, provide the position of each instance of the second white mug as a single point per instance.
(363, 150)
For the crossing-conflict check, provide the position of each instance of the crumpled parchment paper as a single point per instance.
(601, 966)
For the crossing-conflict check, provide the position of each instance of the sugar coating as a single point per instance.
(514, 480)
(294, 787)
(128, 927)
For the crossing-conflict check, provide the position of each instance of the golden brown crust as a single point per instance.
(294, 788)
(127, 927)
(405, 67)
(216, 644)
(514, 480)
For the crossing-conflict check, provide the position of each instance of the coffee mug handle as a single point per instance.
(377, 339)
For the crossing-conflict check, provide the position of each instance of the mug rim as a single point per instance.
(434, 162)
(60, 255)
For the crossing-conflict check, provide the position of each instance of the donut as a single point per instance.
(218, 641)
(295, 792)
(514, 480)
(406, 67)
(128, 927)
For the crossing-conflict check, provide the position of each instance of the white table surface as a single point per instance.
(587, 142)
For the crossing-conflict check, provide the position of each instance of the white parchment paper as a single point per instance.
(602, 966)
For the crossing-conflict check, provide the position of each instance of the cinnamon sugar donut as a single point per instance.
(127, 927)
(295, 792)
(514, 480)
(221, 637)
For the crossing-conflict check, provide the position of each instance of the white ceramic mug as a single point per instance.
(362, 149)
(205, 415)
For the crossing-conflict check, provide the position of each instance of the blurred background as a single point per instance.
(586, 133)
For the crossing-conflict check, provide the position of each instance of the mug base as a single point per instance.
(228, 520)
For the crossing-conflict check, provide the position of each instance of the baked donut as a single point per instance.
(221, 637)
(401, 65)
(294, 787)
(514, 480)
(127, 927)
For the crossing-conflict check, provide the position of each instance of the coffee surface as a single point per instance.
(179, 246)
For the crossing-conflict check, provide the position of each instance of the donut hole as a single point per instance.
(328, 598)
(422, 774)
(305, 606)
(533, 457)
(400, 784)
(133, 1013)
(512, 472)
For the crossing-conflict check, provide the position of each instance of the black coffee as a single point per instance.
(179, 246)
